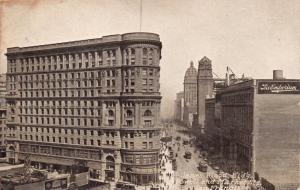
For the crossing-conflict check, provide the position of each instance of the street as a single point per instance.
(187, 176)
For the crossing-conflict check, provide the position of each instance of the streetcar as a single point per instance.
(187, 155)
(202, 167)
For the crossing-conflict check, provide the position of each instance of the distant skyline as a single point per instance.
(251, 37)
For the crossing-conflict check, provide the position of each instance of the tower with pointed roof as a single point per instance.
(205, 85)
(190, 94)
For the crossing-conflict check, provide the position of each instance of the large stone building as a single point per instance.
(205, 87)
(255, 123)
(190, 94)
(2, 115)
(179, 107)
(92, 103)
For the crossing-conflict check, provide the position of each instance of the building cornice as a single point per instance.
(105, 41)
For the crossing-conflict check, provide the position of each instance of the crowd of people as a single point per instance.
(164, 159)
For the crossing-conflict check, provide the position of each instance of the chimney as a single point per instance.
(277, 74)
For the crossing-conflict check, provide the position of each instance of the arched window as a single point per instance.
(128, 113)
(110, 113)
(110, 159)
(132, 51)
(147, 113)
(145, 51)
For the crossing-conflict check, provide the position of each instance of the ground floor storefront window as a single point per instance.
(140, 179)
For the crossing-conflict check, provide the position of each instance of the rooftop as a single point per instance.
(103, 40)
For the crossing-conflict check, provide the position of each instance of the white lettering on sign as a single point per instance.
(279, 88)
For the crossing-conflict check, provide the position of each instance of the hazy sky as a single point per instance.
(252, 37)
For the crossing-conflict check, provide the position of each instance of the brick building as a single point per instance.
(190, 94)
(258, 127)
(92, 103)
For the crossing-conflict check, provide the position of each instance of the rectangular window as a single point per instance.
(151, 145)
(144, 81)
(131, 145)
(144, 145)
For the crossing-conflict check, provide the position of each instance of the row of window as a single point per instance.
(96, 155)
(78, 141)
(65, 111)
(64, 121)
(82, 103)
(83, 56)
(68, 131)
(78, 93)
(81, 141)
(140, 159)
(109, 134)
(76, 111)
(68, 84)
(76, 122)
(80, 75)
(55, 64)
(238, 98)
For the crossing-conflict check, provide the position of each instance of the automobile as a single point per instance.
(216, 168)
(187, 155)
(174, 164)
(171, 154)
(125, 186)
(202, 167)
(185, 142)
(183, 182)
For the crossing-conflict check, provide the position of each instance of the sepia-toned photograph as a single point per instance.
(149, 94)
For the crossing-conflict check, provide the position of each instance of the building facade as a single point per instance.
(91, 103)
(179, 107)
(259, 128)
(2, 116)
(190, 94)
(205, 86)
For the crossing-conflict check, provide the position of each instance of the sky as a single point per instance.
(252, 37)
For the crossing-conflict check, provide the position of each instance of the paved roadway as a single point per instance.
(186, 169)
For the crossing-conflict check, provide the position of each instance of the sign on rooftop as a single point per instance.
(278, 87)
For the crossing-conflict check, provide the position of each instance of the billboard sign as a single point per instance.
(278, 87)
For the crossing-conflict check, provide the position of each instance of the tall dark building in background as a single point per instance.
(179, 107)
(92, 103)
(205, 87)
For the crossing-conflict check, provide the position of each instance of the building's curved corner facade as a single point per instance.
(95, 102)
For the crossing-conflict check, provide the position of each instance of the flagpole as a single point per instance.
(141, 10)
